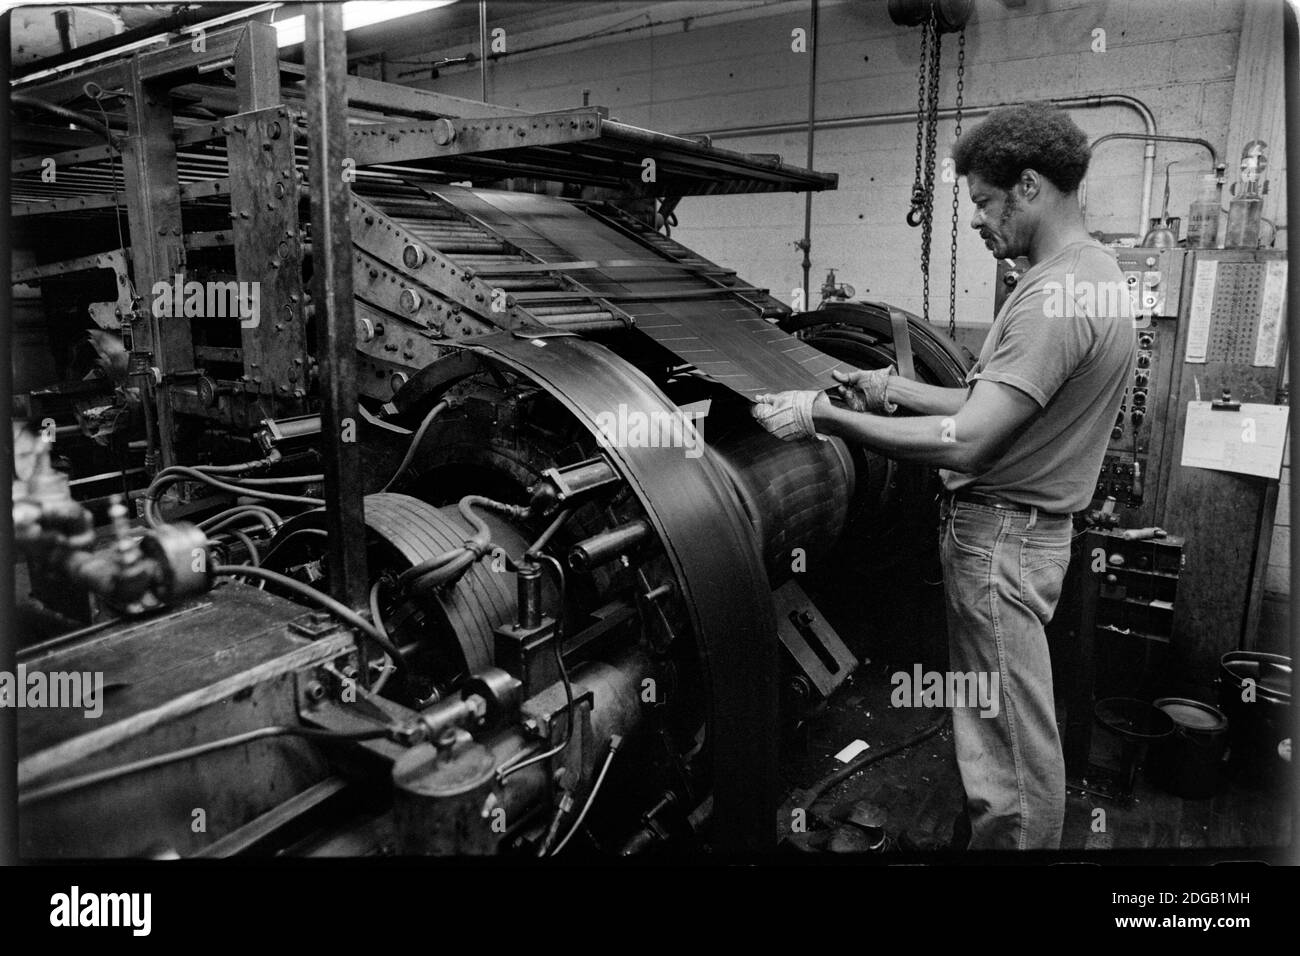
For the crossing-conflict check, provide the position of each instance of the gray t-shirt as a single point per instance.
(1065, 337)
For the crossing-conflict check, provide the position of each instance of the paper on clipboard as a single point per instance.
(1248, 441)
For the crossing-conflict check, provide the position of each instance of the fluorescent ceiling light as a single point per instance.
(358, 13)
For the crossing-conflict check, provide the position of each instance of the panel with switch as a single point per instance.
(1130, 472)
(1154, 280)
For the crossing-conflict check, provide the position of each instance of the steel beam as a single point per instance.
(167, 64)
(113, 260)
(408, 101)
(257, 68)
(326, 59)
(204, 189)
(404, 142)
(72, 157)
(219, 46)
(385, 240)
(157, 249)
(366, 93)
(268, 251)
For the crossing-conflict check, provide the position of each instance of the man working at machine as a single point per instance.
(1021, 447)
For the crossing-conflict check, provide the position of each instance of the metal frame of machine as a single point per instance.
(446, 356)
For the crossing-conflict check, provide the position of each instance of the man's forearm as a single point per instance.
(923, 398)
(931, 440)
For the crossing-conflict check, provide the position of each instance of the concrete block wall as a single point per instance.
(731, 65)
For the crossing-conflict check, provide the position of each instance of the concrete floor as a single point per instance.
(916, 794)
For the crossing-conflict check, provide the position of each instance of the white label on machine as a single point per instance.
(1249, 441)
(1198, 321)
(1270, 313)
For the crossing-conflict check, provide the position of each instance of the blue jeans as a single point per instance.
(1003, 572)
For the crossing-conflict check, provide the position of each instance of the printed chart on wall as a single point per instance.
(1234, 316)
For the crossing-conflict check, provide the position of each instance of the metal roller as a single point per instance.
(454, 245)
(796, 494)
(405, 531)
(531, 284)
(419, 210)
(480, 601)
(585, 324)
(566, 319)
(712, 548)
(568, 309)
(482, 263)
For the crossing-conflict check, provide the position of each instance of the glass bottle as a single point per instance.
(1203, 219)
(1246, 208)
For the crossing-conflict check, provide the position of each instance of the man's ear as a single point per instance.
(1030, 184)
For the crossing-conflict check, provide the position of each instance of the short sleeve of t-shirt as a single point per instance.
(1041, 342)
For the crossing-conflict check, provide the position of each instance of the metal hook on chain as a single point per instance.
(917, 211)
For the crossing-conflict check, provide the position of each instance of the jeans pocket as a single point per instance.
(1042, 574)
(964, 530)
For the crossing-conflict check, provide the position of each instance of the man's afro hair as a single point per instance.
(1034, 136)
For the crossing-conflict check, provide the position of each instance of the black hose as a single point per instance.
(415, 443)
(283, 480)
(283, 540)
(614, 744)
(177, 472)
(247, 542)
(811, 795)
(65, 114)
(376, 615)
(238, 469)
(266, 517)
(549, 533)
(448, 566)
(346, 614)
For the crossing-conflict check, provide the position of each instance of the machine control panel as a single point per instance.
(1153, 278)
(1130, 468)
(1127, 471)
(1121, 478)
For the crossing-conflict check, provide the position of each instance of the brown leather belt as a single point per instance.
(1000, 503)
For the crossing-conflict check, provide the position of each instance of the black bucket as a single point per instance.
(1257, 729)
(1134, 724)
(1188, 761)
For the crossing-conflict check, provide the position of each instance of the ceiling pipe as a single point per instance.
(806, 243)
(482, 48)
(1066, 102)
(1195, 141)
(65, 114)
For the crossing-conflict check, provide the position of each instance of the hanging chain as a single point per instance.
(931, 141)
(952, 276)
(918, 189)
